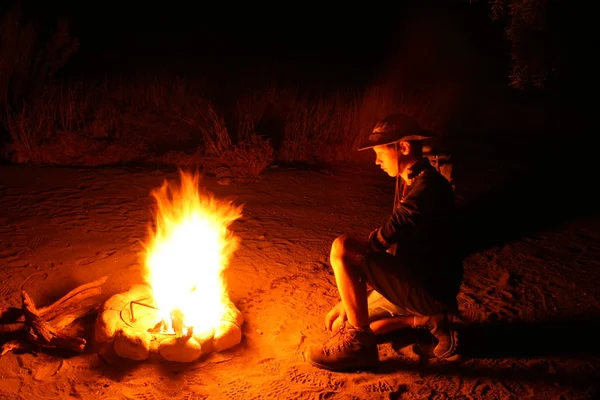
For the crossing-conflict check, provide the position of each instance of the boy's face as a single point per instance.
(387, 159)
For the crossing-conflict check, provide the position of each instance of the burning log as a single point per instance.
(46, 327)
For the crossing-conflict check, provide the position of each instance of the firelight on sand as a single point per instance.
(190, 245)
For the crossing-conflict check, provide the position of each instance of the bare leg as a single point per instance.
(386, 325)
(346, 255)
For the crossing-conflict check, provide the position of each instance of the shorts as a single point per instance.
(395, 290)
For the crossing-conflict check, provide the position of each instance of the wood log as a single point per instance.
(12, 327)
(43, 327)
(14, 345)
(43, 334)
(75, 304)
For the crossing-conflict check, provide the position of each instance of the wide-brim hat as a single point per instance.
(395, 128)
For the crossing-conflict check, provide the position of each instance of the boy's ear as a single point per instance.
(404, 148)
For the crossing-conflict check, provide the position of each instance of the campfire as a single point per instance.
(182, 309)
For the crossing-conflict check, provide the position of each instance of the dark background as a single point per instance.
(319, 41)
(449, 51)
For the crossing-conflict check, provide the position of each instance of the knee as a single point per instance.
(339, 248)
(345, 252)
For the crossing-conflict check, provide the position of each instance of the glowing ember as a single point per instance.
(188, 249)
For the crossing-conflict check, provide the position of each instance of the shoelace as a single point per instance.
(342, 339)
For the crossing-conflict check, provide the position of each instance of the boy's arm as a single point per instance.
(402, 222)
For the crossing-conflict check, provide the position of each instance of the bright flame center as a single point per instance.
(189, 248)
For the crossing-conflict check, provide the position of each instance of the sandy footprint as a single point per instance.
(238, 389)
(281, 389)
(270, 365)
(307, 375)
(470, 307)
(379, 387)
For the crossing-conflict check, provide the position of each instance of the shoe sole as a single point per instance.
(454, 344)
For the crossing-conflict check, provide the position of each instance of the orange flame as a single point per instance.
(187, 252)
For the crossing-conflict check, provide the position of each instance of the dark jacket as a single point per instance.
(421, 232)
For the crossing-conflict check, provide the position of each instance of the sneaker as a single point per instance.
(348, 349)
(440, 326)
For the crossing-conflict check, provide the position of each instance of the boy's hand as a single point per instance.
(335, 317)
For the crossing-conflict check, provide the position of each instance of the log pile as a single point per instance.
(36, 329)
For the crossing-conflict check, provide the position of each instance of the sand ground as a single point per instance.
(530, 301)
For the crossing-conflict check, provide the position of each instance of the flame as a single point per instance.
(188, 249)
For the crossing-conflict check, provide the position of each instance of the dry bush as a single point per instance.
(59, 127)
(309, 125)
(45, 131)
(137, 118)
(328, 128)
(167, 121)
(537, 45)
(181, 159)
(26, 60)
(171, 121)
(249, 158)
(210, 126)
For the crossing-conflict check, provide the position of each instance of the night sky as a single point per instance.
(320, 41)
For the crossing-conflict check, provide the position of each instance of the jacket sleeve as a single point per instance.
(401, 224)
